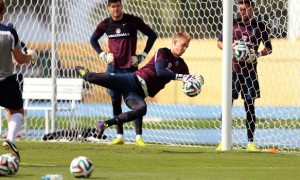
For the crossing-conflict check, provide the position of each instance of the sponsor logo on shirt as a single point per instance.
(245, 38)
(118, 30)
(169, 66)
(118, 35)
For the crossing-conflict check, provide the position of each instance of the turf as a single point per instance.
(153, 162)
(86, 122)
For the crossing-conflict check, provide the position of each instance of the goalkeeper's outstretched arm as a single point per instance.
(161, 70)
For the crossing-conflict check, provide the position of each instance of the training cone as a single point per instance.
(272, 150)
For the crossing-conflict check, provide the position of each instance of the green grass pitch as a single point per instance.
(153, 162)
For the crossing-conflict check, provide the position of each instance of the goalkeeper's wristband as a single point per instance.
(179, 77)
(184, 77)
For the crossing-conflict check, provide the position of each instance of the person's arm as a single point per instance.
(106, 57)
(19, 56)
(267, 43)
(24, 58)
(94, 41)
(151, 39)
(162, 71)
(146, 30)
(24, 48)
(254, 55)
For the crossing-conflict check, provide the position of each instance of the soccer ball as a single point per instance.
(4, 167)
(191, 88)
(81, 167)
(13, 163)
(240, 51)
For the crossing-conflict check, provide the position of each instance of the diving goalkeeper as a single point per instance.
(164, 66)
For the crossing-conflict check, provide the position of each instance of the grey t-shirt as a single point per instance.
(9, 40)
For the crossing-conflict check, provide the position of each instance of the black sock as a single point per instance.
(112, 121)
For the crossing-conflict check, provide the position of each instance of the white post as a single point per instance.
(227, 74)
(53, 65)
(293, 19)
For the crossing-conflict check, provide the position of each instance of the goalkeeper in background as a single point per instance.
(164, 66)
(121, 57)
(247, 30)
(10, 90)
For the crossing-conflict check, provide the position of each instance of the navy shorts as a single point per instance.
(248, 85)
(128, 85)
(112, 69)
(11, 92)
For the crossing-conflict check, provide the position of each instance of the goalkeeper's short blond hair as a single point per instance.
(182, 35)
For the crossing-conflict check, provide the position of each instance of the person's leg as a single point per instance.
(116, 100)
(250, 118)
(131, 99)
(139, 109)
(14, 123)
(138, 122)
(139, 141)
(138, 126)
(250, 123)
(118, 82)
(117, 109)
(14, 126)
(11, 99)
(8, 116)
(250, 91)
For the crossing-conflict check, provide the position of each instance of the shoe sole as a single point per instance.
(8, 147)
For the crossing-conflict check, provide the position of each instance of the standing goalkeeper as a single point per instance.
(121, 30)
(247, 30)
(10, 90)
(164, 66)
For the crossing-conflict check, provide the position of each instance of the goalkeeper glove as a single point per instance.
(199, 78)
(253, 55)
(185, 77)
(135, 60)
(188, 77)
(33, 54)
(106, 57)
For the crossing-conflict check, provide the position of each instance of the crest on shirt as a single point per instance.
(245, 38)
(118, 30)
(177, 63)
(169, 65)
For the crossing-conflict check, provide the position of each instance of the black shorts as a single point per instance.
(246, 84)
(11, 92)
